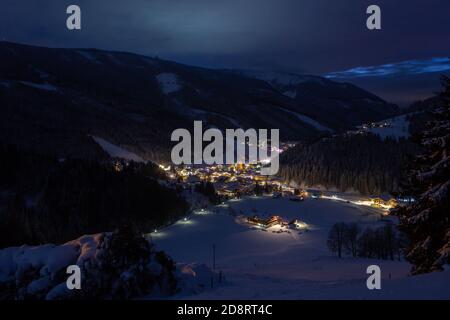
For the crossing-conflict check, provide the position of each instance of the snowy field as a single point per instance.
(260, 264)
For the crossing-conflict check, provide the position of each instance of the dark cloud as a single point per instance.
(314, 36)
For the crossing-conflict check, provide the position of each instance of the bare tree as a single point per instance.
(351, 238)
(336, 238)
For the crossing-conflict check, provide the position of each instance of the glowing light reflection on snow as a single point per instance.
(366, 203)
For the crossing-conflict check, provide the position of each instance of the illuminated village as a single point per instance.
(242, 180)
(215, 153)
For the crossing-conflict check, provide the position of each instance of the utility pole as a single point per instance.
(214, 257)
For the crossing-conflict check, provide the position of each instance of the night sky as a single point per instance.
(401, 62)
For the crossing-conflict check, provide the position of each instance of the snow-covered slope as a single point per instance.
(116, 151)
(309, 121)
(353, 287)
(243, 246)
(168, 82)
(297, 265)
(251, 263)
(396, 128)
(45, 86)
(39, 272)
(17, 264)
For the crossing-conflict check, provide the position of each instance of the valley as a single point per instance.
(89, 179)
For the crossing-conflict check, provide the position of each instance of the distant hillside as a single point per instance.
(53, 100)
(361, 162)
(336, 105)
(371, 159)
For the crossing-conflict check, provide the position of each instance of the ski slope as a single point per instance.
(396, 128)
(308, 120)
(115, 151)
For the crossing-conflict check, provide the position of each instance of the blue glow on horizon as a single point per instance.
(409, 67)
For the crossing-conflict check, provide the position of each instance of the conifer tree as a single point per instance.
(426, 221)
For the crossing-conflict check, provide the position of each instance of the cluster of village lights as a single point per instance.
(366, 203)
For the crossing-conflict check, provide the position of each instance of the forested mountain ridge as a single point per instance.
(338, 105)
(52, 100)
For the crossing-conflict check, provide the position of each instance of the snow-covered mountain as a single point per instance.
(334, 104)
(55, 100)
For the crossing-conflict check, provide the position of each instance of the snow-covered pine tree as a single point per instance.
(426, 221)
